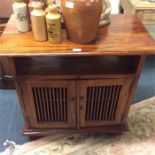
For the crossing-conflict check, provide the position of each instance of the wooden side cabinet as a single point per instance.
(75, 104)
(71, 87)
(75, 94)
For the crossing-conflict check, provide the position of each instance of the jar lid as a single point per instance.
(19, 0)
(37, 5)
(52, 8)
(51, 2)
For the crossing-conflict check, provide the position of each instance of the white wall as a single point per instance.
(115, 6)
(6, 9)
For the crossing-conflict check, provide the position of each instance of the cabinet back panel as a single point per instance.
(50, 104)
(101, 103)
(76, 65)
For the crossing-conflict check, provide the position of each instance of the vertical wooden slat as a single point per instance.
(102, 102)
(47, 104)
(105, 102)
(108, 102)
(87, 107)
(61, 104)
(54, 103)
(40, 103)
(51, 105)
(57, 105)
(88, 103)
(116, 101)
(44, 104)
(92, 103)
(112, 102)
(95, 103)
(66, 99)
(98, 103)
(36, 104)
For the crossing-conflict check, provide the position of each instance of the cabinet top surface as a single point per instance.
(125, 35)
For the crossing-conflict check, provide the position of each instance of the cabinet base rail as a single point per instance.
(45, 132)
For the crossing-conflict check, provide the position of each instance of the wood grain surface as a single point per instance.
(125, 35)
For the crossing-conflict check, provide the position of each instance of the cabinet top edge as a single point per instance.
(126, 35)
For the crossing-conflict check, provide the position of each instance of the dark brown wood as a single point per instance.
(48, 109)
(1, 76)
(125, 35)
(105, 129)
(110, 101)
(5, 76)
(75, 65)
(133, 86)
(61, 90)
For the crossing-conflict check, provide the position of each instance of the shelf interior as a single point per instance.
(67, 65)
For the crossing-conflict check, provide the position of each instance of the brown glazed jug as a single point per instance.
(81, 19)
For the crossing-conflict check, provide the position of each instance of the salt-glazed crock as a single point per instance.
(81, 19)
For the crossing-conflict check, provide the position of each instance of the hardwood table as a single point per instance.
(71, 87)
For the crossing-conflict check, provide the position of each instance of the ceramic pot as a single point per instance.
(81, 19)
(106, 12)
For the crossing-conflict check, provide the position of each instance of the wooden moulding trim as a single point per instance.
(68, 53)
(133, 86)
(72, 77)
(45, 132)
(11, 66)
(78, 104)
(22, 103)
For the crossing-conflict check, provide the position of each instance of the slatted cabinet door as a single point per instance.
(50, 104)
(102, 102)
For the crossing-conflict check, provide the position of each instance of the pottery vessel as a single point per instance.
(106, 12)
(82, 19)
(38, 22)
(53, 23)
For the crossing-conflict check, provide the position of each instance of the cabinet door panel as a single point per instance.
(102, 102)
(50, 104)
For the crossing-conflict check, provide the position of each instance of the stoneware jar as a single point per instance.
(53, 23)
(38, 22)
(106, 12)
(82, 19)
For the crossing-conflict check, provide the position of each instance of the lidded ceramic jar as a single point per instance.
(32, 4)
(20, 12)
(81, 19)
(53, 23)
(38, 22)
